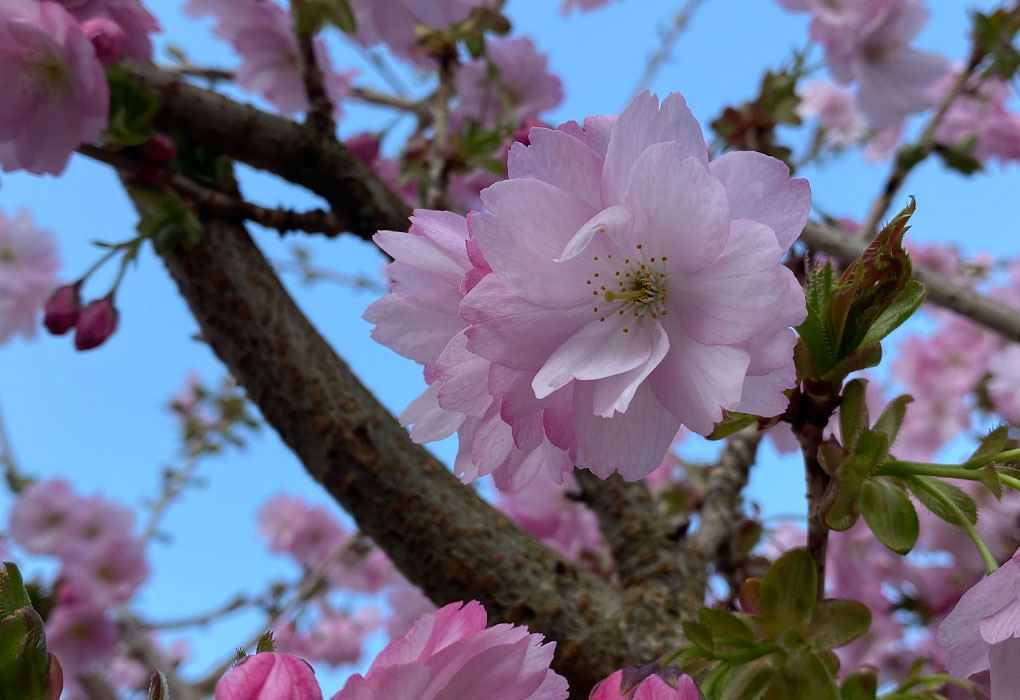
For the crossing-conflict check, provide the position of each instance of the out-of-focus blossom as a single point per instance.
(653, 687)
(54, 87)
(393, 22)
(451, 654)
(1004, 385)
(983, 631)
(883, 144)
(584, 5)
(335, 638)
(407, 604)
(28, 267)
(108, 571)
(936, 257)
(130, 16)
(523, 89)
(269, 676)
(980, 113)
(262, 33)
(42, 518)
(107, 37)
(544, 509)
(82, 636)
(836, 110)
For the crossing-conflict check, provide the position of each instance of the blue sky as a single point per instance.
(98, 418)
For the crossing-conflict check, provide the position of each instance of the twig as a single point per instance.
(307, 589)
(202, 619)
(319, 116)
(810, 437)
(16, 481)
(378, 62)
(665, 48)
(376, 97)
(438, 154)
(311, 273)
(721, 510)
(215, 202)
(188, 70)
(980, 309)
(172, 487)
(141, 647)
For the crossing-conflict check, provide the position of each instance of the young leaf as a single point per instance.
(749, 681)
(853, 412)
(12, 590)
(724, 623)
(837, 622)
(789, 590)
(991, 444)
(266, 643)
(861, 684)
(892, 417)
(904, 306)
(158, 687)
(889, 513)
(843, 496)
(959, 497)
(731, 423)
(807, 678)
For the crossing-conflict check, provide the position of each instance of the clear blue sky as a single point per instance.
(98, 418)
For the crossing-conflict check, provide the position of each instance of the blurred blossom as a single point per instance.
(28, 267)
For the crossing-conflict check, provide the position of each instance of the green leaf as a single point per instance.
(132, 110)
(699, 635)
(960, 157)
(861, 684)
(731, 423)
(788, 591)
(991, 444)
(889, 513)
(166, 220)
(892, 417)
(902, 308)
(159, 689)
(807, 678)
(843, 495)
(749, 681)
(853, 412)
(959, 497)
(861, 358)
(12, 590)
(837, 622)
(725, 624)
(750, 596)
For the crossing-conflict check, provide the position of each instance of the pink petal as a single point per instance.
(616, 222)
(430, 422)
(561, 160)
(1004, 668)
(614, 394)
(1001, 625)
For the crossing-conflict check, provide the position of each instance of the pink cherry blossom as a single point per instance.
(867, 42)
(883, 144)
(1004, 386)
(82, 636)
(28, 266)
(393, 22)
(836, 111)
(983, 632)
(107, 38)
(597, 291)
(55, 92)
(653, 687)
(108, 571)
(262, 33)
(451, 654)
(981, 112)
(544, 510)
(269, 676)
(133, 20)
(524, 83)
(407, 604)
(42, 517)
(335, 638)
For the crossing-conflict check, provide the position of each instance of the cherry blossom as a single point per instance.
(524, 84)
(836, 111)
(393, 22)
(648, 324)
(451, 654)
(981, 113)
(42, 518)
(1005, 379)
(28, 266)
(982, 631)
(269, 676)
(407, 604)
(652, 687)
(55, 92)
(82, 636)
(134, 22)
(335, 638)
(108, 571)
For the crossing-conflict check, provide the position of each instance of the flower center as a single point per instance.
(634, 286)
(7, 255)
(50, 72)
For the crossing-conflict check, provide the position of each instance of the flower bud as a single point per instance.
(269, 676)
(63, 309)
(98, 322)
(160, 149)
(107, 37)
(365, 146)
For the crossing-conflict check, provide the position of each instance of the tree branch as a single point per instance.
(438, 154)
(982, 310)
(280, 146)
(437, 531)
(721, 511)
(319, 116)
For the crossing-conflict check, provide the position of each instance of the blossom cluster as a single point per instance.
(28, 267)
(618, 286)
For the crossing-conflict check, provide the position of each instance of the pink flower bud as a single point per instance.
(636, 683)
(365, 146)
(98, 322)
(63, 309)
(107, 37)
(54, 680)
(159, 149)
(269, 676)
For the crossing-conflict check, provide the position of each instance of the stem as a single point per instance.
(131, 254)
(1009, 481)
(99, 263)
(945, 471)
(439, 168)
(1006, 456)
(990, 564)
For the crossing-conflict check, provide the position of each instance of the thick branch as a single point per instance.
(643, 548)
(721, 512)
(285, 148)
(438, 532)
(987, 312)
